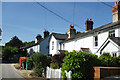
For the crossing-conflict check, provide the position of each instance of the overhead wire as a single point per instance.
(74, 5)
(58, 15)
(73, 13)
(107, 4)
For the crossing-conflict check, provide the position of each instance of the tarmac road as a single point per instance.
(9, 73)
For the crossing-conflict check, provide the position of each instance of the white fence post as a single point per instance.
(60, 72)
(56, 73)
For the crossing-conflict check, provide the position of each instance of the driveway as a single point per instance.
(9, 73)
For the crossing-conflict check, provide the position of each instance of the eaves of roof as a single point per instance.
(98, 30)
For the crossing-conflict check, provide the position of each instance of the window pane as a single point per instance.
(96, 43)
(95, 40)
(52, 45)
(112, 33)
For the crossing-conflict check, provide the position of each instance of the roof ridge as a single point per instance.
(59, 33)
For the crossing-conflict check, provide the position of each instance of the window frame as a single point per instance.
(96, 41)
(114, 54)
(111, 33)
(52, 45)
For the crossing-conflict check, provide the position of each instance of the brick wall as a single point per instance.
(102, 72)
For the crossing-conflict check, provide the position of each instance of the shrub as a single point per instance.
(79, 63)
(107, 60)
(57, 60)
(64, 75)
(17, 66)
(40, 62)
(115, 62)
(54, 65)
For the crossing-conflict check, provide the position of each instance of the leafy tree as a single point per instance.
(105, 59)
(28, 43)
(40, 61)
(14, 42)
(12, 54)
(78, 32)
(80, 63)
(8, 52)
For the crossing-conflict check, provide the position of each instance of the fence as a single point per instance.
(56, 73)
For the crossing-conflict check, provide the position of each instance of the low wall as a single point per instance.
(96, 72)
(102, 72)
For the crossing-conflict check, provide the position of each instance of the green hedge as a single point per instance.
(40, 61)
(80, 63)
(109, 61)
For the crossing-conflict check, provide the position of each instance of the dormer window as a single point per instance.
(112, 33)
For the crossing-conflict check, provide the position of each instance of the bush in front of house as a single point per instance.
(54, 66)
(108, 61)
(17, 66)
(57, 61)
(80, 63)
(40, 61)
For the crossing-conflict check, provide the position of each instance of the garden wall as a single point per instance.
(102, 72)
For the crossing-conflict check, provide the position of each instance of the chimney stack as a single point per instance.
(71, 31)
(45, 34)
(38, 38)
(88, 25)
(116, 11)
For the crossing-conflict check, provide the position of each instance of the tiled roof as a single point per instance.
(98, 30)
(116, 40)
(60, 36)
(34, 44)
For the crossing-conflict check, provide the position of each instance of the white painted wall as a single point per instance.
(84, 42)
(34, 48)
(36, 40)
(88, 42)
(79, 43)
(117, 32)
(111, 48)
(102, 37)
(56, 45)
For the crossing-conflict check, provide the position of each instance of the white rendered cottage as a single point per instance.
(55, 41)
(102, 39)
(40, 45)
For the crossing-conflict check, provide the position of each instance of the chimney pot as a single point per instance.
(116, 11)
(71, 26)
(45, 34)
(88, 24)
(38, 38)
(71, 31)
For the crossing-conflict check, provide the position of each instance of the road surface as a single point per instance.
(10, 73)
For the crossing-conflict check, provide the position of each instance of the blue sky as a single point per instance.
(27, 19)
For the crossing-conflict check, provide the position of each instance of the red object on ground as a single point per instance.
(20, 61)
